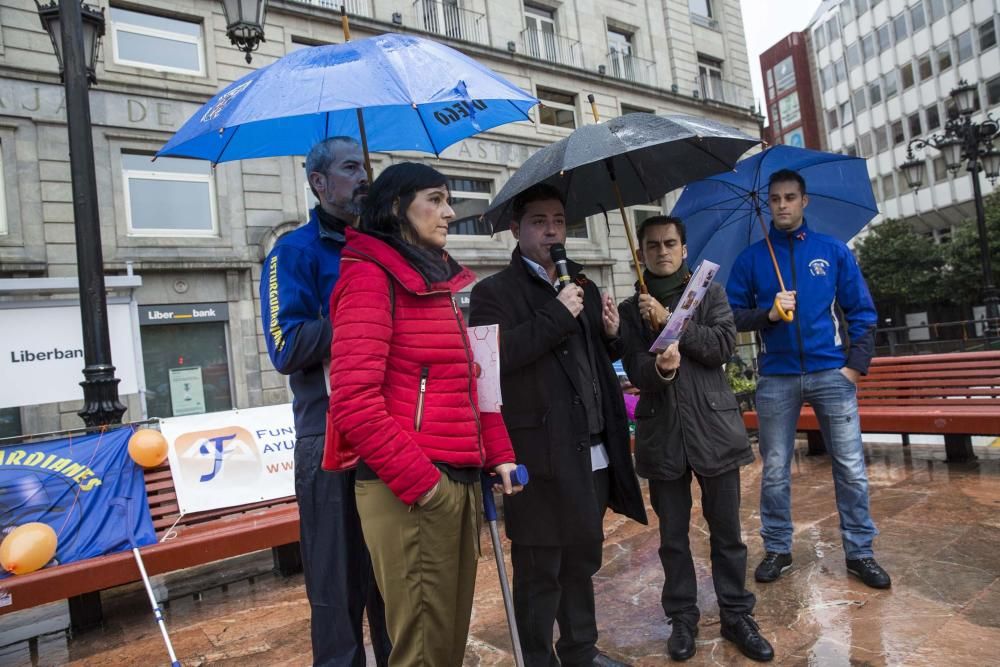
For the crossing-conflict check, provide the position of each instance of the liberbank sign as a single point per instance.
(41, 353)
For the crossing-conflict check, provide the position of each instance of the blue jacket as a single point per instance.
(835, 317)
(295, 286)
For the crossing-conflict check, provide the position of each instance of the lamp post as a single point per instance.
(76, 30)
(245, 23)
(964, 141)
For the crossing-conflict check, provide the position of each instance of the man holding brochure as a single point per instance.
(688, 424)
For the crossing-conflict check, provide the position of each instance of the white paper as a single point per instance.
(693, 294)
(485, 344)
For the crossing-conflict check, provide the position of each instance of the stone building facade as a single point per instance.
(196, 236)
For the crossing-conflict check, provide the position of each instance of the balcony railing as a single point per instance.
(630, 67)
(552, 47)
(720, 90)
(355, 7)
(448, 19)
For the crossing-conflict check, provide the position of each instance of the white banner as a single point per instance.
(41, 354)
(224, 459)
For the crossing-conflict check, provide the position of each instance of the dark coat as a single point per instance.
(693, 420)
(544, 413)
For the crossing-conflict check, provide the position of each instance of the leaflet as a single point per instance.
(693, 294)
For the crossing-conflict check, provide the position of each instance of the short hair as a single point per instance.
(537, 192)
(787, 176)
(395, 188)
(655, 220)
(321, 156)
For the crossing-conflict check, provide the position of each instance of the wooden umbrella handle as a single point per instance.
(786, 315)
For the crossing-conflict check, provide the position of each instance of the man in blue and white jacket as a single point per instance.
(295, 286)
(817, 357)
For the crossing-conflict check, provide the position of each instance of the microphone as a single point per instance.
(558, 254)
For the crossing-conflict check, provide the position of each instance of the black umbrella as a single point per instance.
(632, 159)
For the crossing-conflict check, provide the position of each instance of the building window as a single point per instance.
(3, 197)
(827, 77)
(897, 133)
(791, 113)
(540, 37)
(955, 4)
(169, 197)
(558, 109)
(157, 42)
(881, 139)
(884, 38)
(943, 56)
(860, 101)
(784, 75)
(710, 78)
(469, 199)
(987, 35)
(914, 124)
(846, 13)
(846, 115)
(833, 29)
(963, 46)
(853, 55)
(186, 368)
(868, 46)
(906, 75)
(831, 119)
(770, 82)
(874, 93)
(888, 186)
(924, 67)
(865, 145)
(933, 116)
(993, 91)
(935, 8)
(940, 169)
(918, 19)
(875, 191)
(899, 28)
(624, 64)
(700, 8)
(860, 7)
(628, 108)
(890, 84)
(819, 36)
(840, 70)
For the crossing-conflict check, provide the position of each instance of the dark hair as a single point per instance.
(397, 185)
(640, 232)
(537, 192)
(787, 176)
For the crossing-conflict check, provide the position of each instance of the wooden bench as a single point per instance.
(196, 539)
(956, 395)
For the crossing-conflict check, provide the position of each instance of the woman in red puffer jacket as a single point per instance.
(403, 408)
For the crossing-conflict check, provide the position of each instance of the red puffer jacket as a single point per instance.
(403, 389)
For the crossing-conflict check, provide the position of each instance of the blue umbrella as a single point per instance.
(415, 95)
(726, 213)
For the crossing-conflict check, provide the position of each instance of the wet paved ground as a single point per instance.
(940, 541)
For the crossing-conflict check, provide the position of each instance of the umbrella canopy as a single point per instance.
(649, 155)
(720, 212)
(415, 94)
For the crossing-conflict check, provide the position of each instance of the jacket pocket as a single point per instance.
(529, 433)
(418, 418)
(725, 429)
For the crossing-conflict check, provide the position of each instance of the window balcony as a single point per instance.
(630, 67)
(552, 47)
(449, 20)
(717, 89)
(353, 7)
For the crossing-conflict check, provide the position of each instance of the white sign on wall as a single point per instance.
(235, 457)
(41, 353)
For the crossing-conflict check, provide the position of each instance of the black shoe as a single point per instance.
(772, 567)
(745, 633)
(681, 644)
(870, 572)
(602, 660)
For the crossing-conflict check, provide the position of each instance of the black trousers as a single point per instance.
(555, 585)
(340, 582)
(720, 503)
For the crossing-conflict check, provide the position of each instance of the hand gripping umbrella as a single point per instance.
(408, 93)
(725, 213)
(518, 476)
(632, 159)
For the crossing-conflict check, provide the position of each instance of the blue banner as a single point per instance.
(86, 488)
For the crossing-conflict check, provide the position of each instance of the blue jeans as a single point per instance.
(834, 398)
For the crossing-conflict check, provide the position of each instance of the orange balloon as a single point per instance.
(147, 447)
(27, 548)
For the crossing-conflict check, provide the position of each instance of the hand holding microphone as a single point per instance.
(570, 295)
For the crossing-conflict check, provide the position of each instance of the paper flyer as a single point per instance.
(485, 344)
(693, 294)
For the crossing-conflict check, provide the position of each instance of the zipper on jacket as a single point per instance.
(798, 316)
(469, 360)
(419, 419)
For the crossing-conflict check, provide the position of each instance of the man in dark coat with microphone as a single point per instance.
(564, 410)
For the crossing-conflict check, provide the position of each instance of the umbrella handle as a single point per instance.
(593, 108)
(786, 315)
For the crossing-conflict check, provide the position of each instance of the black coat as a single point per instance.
(544, 413)
(693, 420)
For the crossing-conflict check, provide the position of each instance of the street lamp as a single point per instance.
(245, 23)
(964, 141)
(75, 30)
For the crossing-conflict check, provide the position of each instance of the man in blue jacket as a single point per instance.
(298, 277)
(816, 358)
